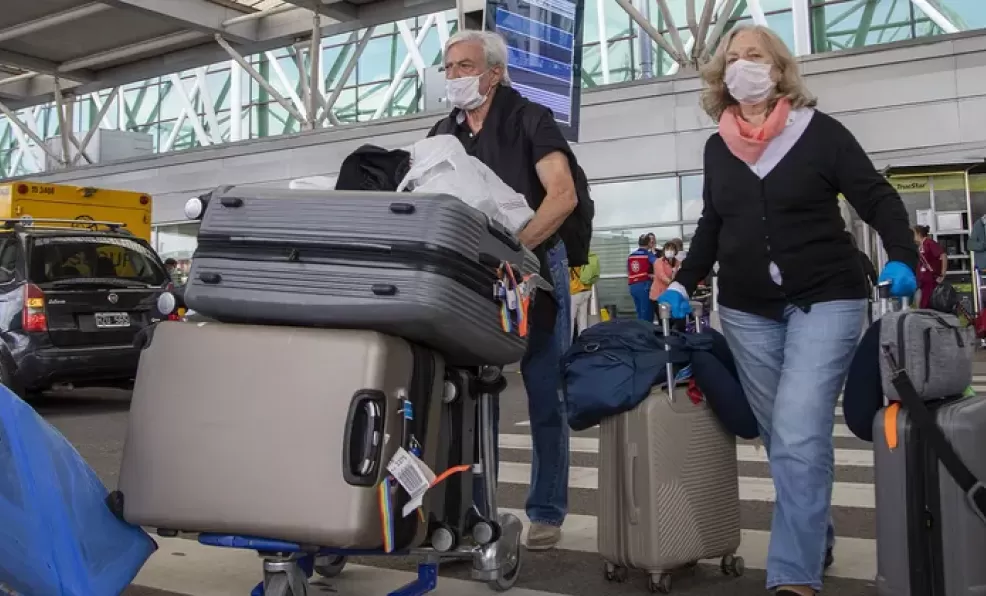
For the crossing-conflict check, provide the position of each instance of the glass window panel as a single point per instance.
(171, 103)
(691, 197)
(616, 21)
(334, 61)
(290, 68)
(407, 98)
(380, 58)
(370, 98)
(843, 25)
(177, 242)
(218, 82)
(431, 48)
(142, 102)
(635, 202)
(345, 107)
(964, 14)
(612, 248)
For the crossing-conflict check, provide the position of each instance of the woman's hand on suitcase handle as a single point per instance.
(677, 300)
(903, 282)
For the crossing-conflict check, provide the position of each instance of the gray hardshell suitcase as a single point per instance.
(278, 432)
(668, 489)
(421, 267)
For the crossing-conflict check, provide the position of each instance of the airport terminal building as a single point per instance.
(908, 77)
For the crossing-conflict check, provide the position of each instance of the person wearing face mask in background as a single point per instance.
(521, 142)
(792, 296)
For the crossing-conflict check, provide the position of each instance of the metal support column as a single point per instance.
(801, 19)
(645, 44)
(60, 106)
(250, 70)
(235, 102)
(314, 58)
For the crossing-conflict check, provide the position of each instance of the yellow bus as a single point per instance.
(76, 205)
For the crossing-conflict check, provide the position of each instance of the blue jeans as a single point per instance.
(792, 373)
(547, 500)
(640, 292)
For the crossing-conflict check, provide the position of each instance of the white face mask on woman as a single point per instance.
(669, 254)
(463, 92)
(749, 82)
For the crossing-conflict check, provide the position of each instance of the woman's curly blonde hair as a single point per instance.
(715, 96)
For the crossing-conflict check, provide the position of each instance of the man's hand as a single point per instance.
(559, 199)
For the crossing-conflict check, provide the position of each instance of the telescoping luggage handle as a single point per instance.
(883, 296)
(664, 313)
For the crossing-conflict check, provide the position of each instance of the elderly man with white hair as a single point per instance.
(521, 142)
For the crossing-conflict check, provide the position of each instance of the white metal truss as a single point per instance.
(309, 99)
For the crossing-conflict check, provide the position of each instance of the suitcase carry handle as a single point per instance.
(501, 234)
(629, 464)
(883, 294)
(314, 243)
(362, 444)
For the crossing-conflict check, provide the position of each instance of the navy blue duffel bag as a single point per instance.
(611, 368)
(714, 371)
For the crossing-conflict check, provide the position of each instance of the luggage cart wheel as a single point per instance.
(281, 585)
(732, 565)
(330, 565)
(660, 584)
(509, 572)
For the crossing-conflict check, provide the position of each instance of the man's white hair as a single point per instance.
(494, 48)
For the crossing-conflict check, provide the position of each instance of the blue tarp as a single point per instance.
(58, 537)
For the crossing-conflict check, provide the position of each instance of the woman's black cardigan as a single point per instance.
(791, 217)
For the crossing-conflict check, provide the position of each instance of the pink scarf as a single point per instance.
(748, 142)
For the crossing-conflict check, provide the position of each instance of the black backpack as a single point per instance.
(576, 230)
(373, 168)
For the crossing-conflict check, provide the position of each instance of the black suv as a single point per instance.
(71, 302)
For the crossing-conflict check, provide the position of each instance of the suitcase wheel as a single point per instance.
(509, 573)
(660, 583)
(615, 573)
(330, 566)
(732, 565)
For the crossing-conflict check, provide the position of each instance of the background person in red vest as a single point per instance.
(640, 274)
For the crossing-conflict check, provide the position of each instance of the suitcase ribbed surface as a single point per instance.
(684, 481)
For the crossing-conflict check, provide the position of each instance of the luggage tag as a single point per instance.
(413, 475)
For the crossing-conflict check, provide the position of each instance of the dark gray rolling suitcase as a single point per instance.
(422, 267)
(930, 460)
(281, 432)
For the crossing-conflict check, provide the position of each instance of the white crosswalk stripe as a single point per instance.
(855, 556)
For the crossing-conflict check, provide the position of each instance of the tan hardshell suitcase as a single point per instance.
(277, 432)
(668, 489)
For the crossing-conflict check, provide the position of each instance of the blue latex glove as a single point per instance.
(903, 283)
(680, 307)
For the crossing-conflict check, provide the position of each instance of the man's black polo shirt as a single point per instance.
(516, 134)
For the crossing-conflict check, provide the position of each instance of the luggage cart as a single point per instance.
(495, 549)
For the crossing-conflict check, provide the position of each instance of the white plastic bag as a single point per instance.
(440, 165)
(314, 183)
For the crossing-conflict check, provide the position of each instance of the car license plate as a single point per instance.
(108, 320)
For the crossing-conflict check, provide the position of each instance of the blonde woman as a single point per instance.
(791, 293)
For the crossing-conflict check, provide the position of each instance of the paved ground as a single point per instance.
(96, 423)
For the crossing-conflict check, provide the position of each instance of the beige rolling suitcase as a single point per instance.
(668, 489)
(278, 432)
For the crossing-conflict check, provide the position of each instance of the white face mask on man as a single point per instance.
(463, 92)
(749, 82)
